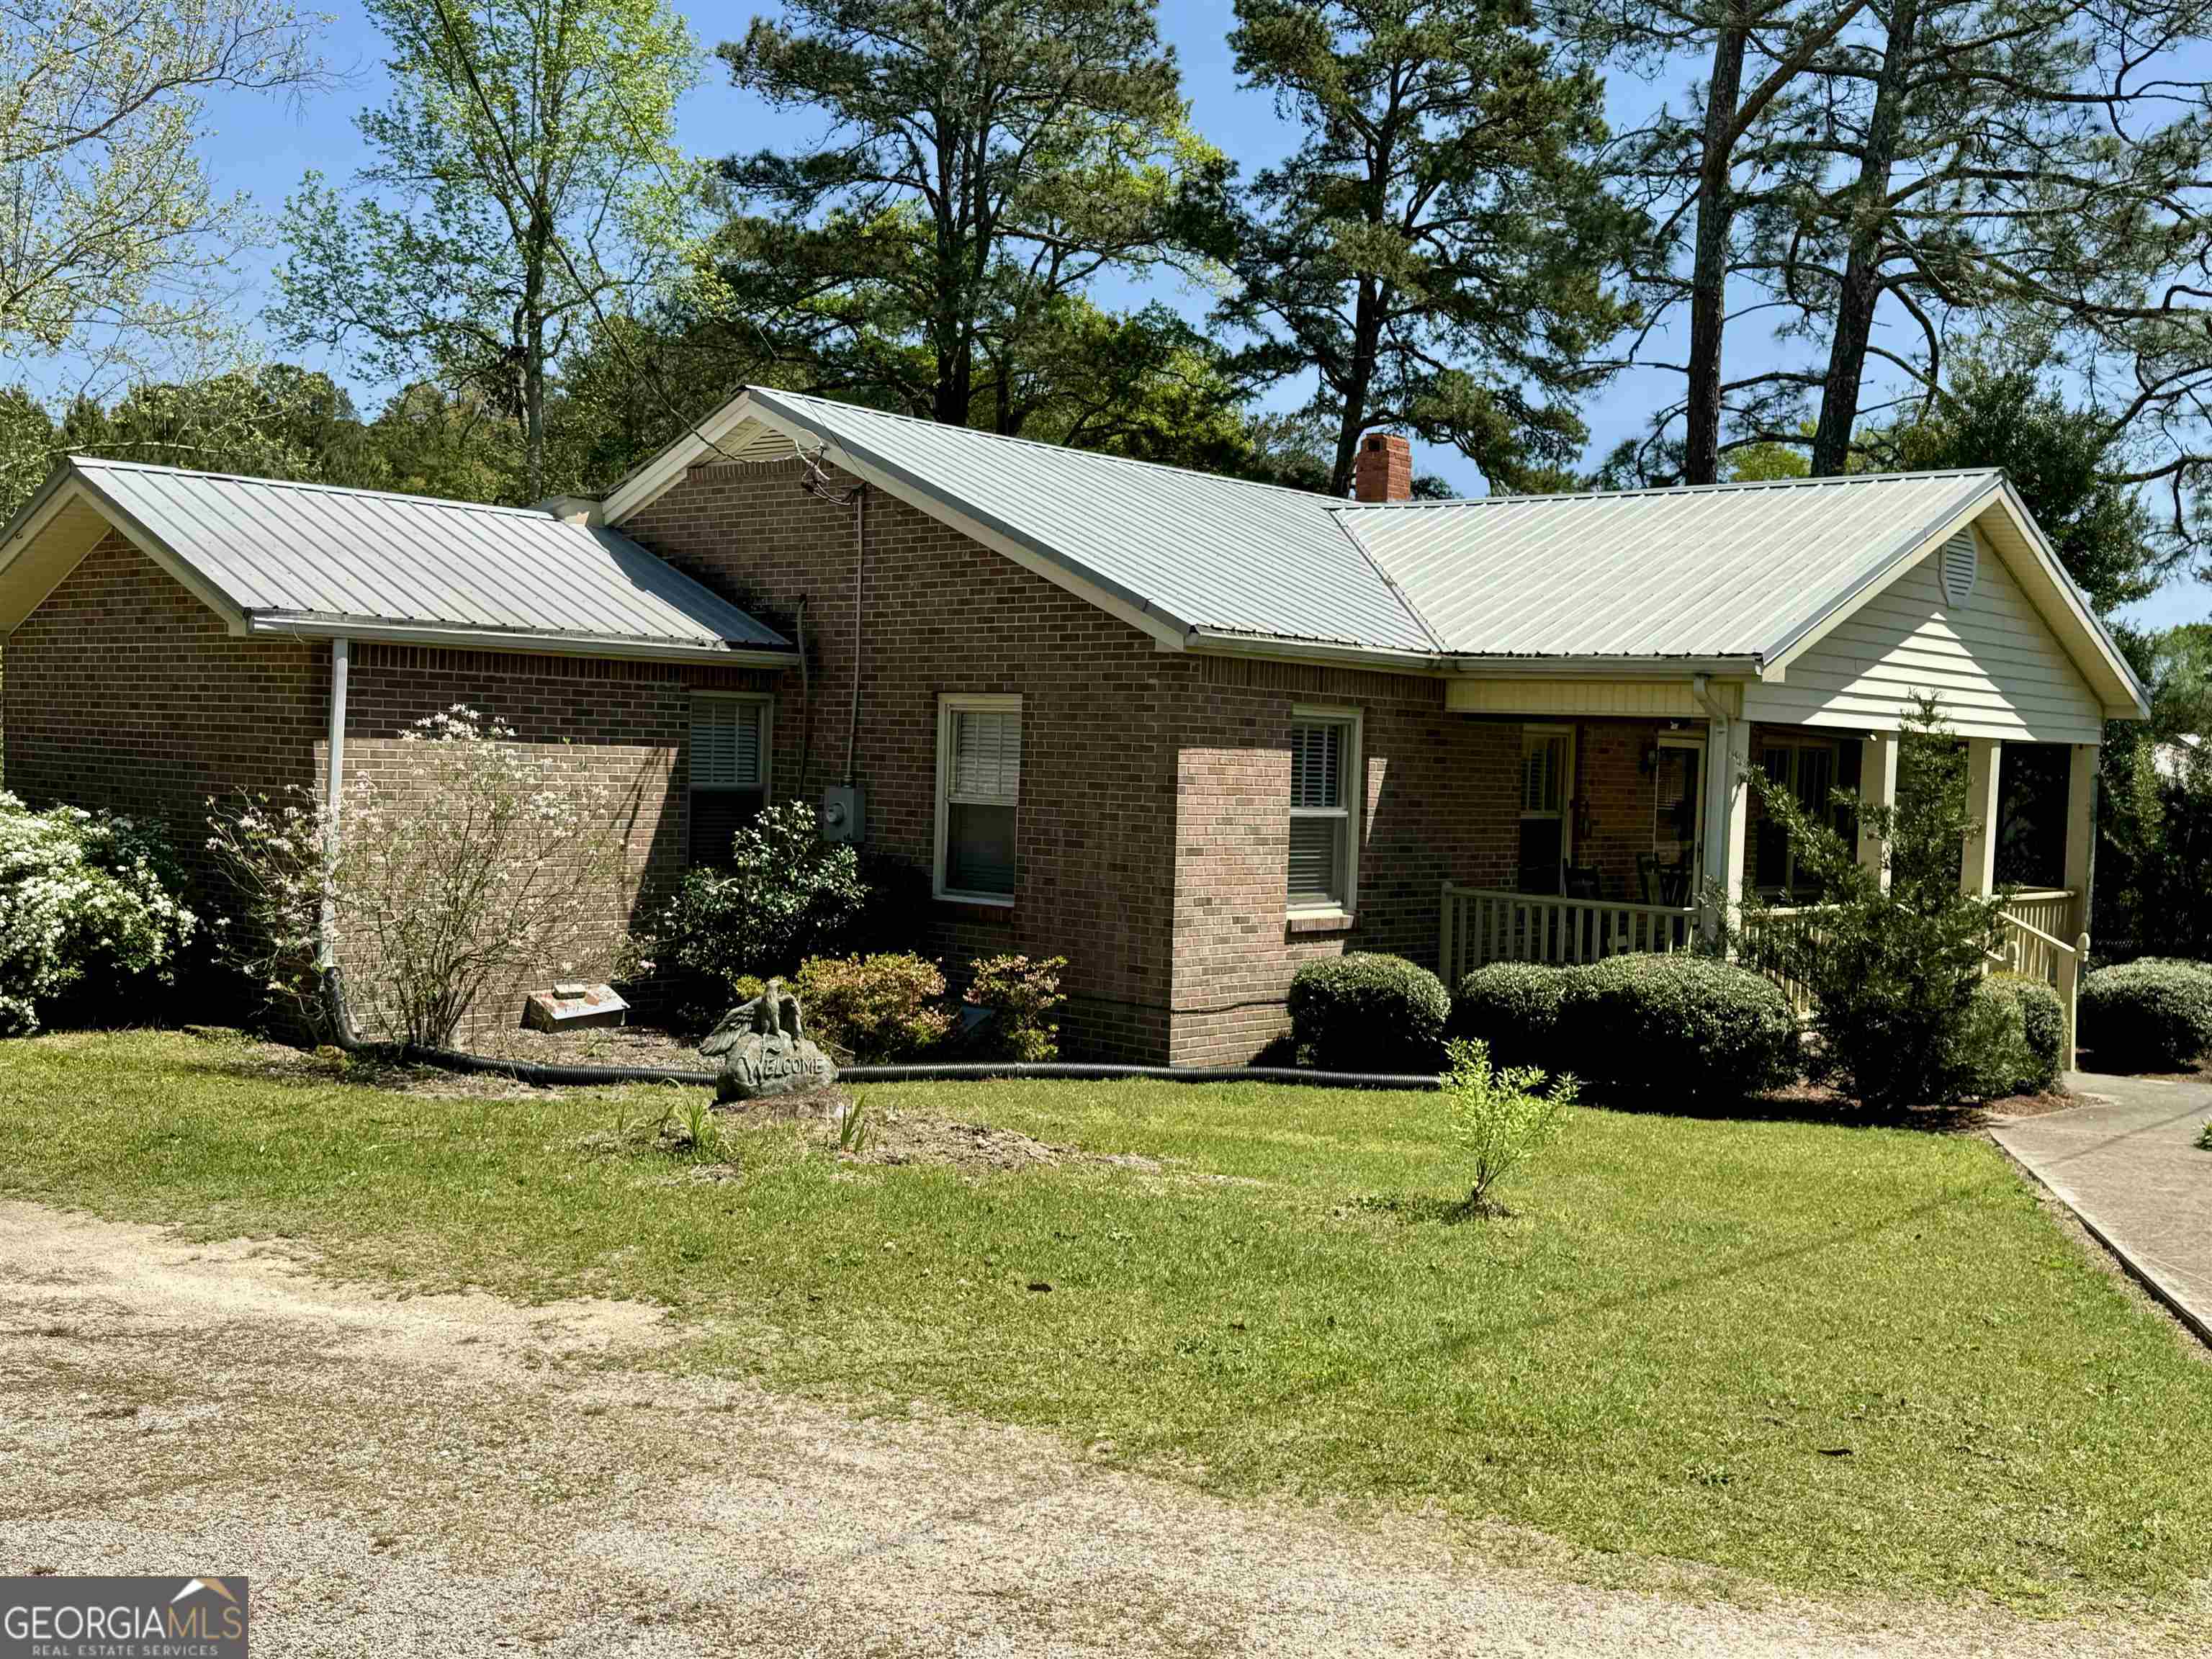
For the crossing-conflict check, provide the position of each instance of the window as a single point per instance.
(1547, 768)
(979, 783)
(1807, 771)
(1325, 775)
(729, 770)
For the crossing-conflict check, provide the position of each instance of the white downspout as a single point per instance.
(1719, 748)
(333, 793)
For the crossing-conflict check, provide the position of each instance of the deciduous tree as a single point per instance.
(527, 180)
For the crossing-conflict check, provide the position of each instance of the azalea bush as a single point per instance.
(786, 894)
(1023, 993)
(90, 903)
(877, 1009)
(461, 865)
(1366, 1011)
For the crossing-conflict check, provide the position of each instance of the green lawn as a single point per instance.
(1836, 1358)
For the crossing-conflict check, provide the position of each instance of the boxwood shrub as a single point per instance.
(2021, 1031)
(1366, 1012)
(1676, 1025)
(1514, 1006)
(2142, 1015)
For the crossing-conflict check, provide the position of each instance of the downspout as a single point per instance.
(326, 954)
(1716, 787)
(326, 925)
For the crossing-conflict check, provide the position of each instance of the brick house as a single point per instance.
(1188, 731)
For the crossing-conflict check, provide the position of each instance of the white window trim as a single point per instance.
(767, 701)
(1565, 815)
(1353, 811)
(950, 704)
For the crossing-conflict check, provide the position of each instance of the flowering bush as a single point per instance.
(876, 1008)
(786, 894)
(1021, 992)
(471, 862)
(88, 901)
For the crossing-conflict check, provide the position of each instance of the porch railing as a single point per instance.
(1479, 925)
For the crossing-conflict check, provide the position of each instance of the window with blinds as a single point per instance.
(728, 771)
(1543, 772)
(978, 769)
(1321, 766)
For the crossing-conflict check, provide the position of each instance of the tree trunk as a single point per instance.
(1867, 207)
(533, 411)
(1366, 338)
(1701, 439)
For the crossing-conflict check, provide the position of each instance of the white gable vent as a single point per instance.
(1959, 559)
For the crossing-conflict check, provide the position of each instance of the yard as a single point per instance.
(1848, 1361)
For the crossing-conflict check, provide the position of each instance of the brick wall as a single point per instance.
(125, 692)
(1095, 828)
(1439, 804)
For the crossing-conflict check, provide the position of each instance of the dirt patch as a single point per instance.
(889, 1134)
(457, 1475)
(607, 1045)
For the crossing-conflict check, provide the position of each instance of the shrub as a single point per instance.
(1498, 1119)
(1363, 1012)
(2147, 1014)
(1022, 993)
(2019, 1035)
(472, 862)
(1514, 1008)
(1894, 971)
(787, 895)
(875, 1008)
(88, 903)
(1679, 1024)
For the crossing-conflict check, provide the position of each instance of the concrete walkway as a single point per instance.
(2126, 1161)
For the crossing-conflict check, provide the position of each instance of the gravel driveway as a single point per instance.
(457, 1475)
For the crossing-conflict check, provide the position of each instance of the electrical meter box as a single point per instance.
(844, 812)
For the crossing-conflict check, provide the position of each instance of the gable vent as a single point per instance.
(1960, 557)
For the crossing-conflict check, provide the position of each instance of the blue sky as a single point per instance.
(263, 147)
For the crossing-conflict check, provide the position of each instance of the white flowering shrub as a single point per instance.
(88, 902)
(472, 863)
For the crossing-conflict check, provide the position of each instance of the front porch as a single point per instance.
(1621, 822)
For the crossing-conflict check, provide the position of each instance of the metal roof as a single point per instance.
(1706, 571)
(1725, 577)
(280, 552)
(1198, 550)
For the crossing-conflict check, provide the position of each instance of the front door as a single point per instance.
(1678, 819)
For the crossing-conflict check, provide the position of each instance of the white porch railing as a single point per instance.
(1481, 925)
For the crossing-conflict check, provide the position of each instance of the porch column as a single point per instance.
(1978, 869)
(1728, 799)
(1877, 787)
(2081, 828)
(2080, 869)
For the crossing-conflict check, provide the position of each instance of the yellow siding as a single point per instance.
(1997, 668)
(1586, 697)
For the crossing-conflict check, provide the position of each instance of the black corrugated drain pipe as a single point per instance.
(570, 1077)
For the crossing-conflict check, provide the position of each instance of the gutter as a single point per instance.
(1474, 664)
(558, 645)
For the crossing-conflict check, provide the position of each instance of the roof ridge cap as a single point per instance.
(80, 460)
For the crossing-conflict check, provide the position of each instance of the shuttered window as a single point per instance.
(1323, 766)
(728, 771)
(979, 769)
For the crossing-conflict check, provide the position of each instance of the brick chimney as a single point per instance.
(1383, 469)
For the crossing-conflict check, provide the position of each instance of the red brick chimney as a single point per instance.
(1383, 469)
